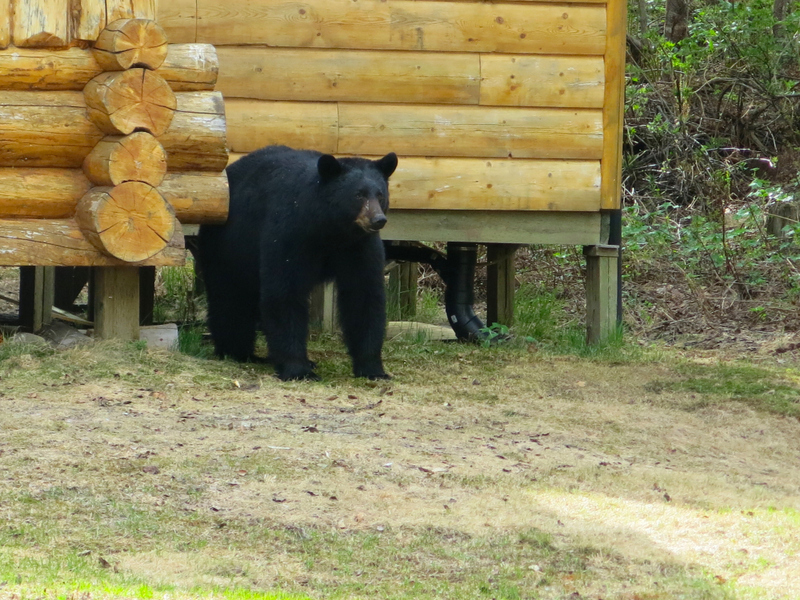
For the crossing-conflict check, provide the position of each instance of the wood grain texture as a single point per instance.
(190, 67)
(132, 9)
(533, 80)
(187, 67)
(40, 193)
(196, 139)
(400, 25)
(130, 221)
(45, 129)
(88, 19)
(127, 43)
(5, 23)
(197, 198)
(358, 76)
(41, 23)
(469, 131)
(122, 102)
(135, 157)
(253, 124)
(614, 104)
(179, 20)
(502, 185)
(493, 227)
(61, 243)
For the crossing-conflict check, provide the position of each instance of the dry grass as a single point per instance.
(477, 473)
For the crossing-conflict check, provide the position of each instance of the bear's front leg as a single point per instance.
(362, 305)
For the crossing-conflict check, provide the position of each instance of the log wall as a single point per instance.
(498, 105)
(112, 137)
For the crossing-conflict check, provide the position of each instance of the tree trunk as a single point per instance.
(676, 22)
(780, 10)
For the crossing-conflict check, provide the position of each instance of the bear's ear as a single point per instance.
(387, 164)
(328, 167)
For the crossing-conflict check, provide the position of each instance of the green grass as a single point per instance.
(771, 390)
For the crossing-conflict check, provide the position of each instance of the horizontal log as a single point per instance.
(475, 184)
(196, 197)
(470, 131)
(132, 9)
(532, 80)
(494, 227)
(127, 43)
(523, 28)
(502, 185)
(358, 76)
(51, 129)
(43, 24)
(45, 129)
(40, 193)
(196, 139)
(43, 242)
(179, 20)
(188, 67)
(253, 124)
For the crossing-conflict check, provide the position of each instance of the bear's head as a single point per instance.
(359, 188)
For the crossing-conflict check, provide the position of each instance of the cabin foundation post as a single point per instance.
(602, 292)
(322, 315)
(36, 296)
(500, 279)
(116, 303)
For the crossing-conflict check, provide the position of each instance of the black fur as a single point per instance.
(297, 218)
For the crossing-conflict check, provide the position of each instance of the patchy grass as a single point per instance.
(505, 472)
(771, 390)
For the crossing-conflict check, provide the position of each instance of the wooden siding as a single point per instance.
(491, 105)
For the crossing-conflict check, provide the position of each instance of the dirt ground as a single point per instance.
(465, 444)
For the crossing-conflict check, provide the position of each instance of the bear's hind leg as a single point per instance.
(285, 323)
(232, 323)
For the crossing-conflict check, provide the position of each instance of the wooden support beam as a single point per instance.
(401, 296)
(116, 303)
(602, 289)
(36, 295)
(500, 284)
(323, 314)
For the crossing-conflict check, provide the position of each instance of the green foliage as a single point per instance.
(176, 299)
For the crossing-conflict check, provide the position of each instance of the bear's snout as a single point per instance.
(371, 218)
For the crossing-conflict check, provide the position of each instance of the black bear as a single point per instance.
(298, 218)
